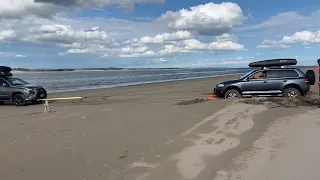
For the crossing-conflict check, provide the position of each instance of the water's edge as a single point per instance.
(140, 83)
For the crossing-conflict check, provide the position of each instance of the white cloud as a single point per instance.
(129, 49)
(7, 35)
(303, 37)
(226, 37)
(176, 48)
(207, 19)
(161, 38)
(161, 60)
(282, 24)
(240, 58)
(226, 46)
(11, 9)
(171, 49)
(267, 44)
(193, 44)
(104, 51)
(3, 54)
(20, 56)
(138, 54)
(288, 22)
(108, 38)
(73, 45)
(11, 54)
(143, 18)
(78, 51)
(65, 34)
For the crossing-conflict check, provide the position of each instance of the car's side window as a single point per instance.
(259, 75)
(276, 74)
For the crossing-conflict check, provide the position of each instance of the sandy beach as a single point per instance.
(141, 133)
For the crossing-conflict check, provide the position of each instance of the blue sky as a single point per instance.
(157, 33)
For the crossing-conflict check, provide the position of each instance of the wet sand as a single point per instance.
(139, 132)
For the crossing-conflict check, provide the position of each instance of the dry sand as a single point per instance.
(140, 133)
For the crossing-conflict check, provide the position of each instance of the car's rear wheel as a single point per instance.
(19, 100)
(291, 93)
(231, 94)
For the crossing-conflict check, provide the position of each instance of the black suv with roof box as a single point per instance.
(18, 91)
(271, 79)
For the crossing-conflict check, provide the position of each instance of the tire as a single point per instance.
(19, 100)
(311, 77)
(232, 94)
(291, 93)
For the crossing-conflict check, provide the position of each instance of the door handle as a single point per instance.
(264, 81)
(284, 80)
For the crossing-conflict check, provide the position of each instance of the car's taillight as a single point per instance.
(306, 80)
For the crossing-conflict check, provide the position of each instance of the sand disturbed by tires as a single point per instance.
(284, 102)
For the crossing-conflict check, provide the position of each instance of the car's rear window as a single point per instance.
(282, 73)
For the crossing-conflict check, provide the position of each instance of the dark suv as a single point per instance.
(18, 91)
(288, 82)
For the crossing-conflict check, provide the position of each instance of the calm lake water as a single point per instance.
(82, 80)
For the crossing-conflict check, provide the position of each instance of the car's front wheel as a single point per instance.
(232, 94)
(19, 100)
(291, 93)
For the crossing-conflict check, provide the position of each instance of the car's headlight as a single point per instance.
(220, 85)
(31, 91)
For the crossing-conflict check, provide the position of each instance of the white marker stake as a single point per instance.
(48, 108)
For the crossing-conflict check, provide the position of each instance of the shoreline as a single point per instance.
(143, 83)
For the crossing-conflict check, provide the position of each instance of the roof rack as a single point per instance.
(280, 63)
(5, 71)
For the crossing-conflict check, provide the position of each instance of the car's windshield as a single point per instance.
(244, 76)
(16, 81)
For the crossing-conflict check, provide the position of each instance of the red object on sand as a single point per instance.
(211, 98)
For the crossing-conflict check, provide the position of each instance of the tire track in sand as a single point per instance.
(227, 124)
